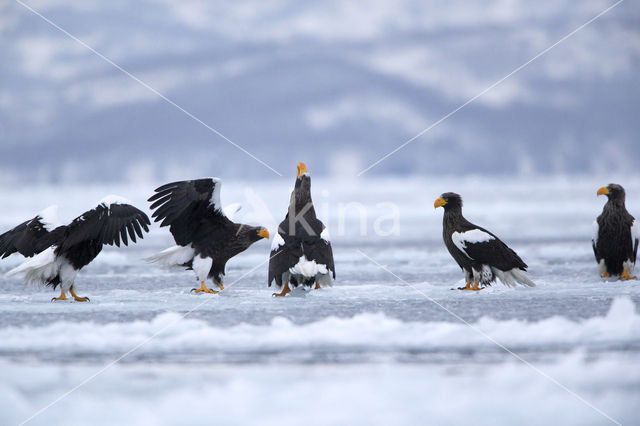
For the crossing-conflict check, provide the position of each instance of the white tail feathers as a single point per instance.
(39, 269)
(172, 257)
(513, 277)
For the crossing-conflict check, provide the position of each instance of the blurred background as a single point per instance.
(337, 84)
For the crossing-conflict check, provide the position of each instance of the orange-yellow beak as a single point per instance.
(263, 233)
(603, 191)
(439, 202)
(302, 169)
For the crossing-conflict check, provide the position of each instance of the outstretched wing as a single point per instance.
(33, 236)
(112, 221)
(482, 246)
(190, 208)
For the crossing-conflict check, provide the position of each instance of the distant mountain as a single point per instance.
(335, 84)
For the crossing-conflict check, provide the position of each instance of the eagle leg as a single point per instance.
(61, 297)
(284, 292)
(203, 289)
(76, 297)
(625, 276)
(467, 287)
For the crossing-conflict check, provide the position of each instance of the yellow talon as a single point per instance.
(317, 287)
(475, 287)
(221, 287)
(61, 297)
(625, 276)
(467, 287)
(605, 275)
(203, 289)
(284, 292)
(76, 297)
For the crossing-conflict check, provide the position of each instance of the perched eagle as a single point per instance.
(206, 238)
(615, 240)
(301, 253)
(61, 251)
(480, 254)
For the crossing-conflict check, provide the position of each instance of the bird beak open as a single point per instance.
(263, 233)
(603, 191)
(439, 202)
(302, 169)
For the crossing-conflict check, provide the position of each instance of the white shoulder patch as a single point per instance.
(461, 239)
(325, 234)
(49, 218)
(215, 195)
(277, 241)
(114, 199)
(231, 210)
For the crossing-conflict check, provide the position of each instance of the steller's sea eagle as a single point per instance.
(616, 235)
(59, 252)
(301, 253)
(480, 254)
(206, 238)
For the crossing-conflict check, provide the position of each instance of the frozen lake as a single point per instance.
(373, 349)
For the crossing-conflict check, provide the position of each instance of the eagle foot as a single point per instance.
(471, 288)
(203, 289)
(605, 275)
(78, 298)
(625, 276)
(284, 292)
(61, 297)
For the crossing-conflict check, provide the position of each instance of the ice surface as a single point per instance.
(370, 350)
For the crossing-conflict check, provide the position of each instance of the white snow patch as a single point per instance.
(308, 268)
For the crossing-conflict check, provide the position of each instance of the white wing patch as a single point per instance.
(114, 199)
(325, 234)
(461, 239)
(215, 195)
(231, 210)
(635, 232)
(175, 256)
(277, 241)
(308, 268)
(596, 229)
(49, 218)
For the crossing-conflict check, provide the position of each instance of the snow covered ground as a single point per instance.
(371, 350)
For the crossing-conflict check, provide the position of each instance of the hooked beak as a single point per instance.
(263, 233)
(439, 202)
(302, 169)
(603, 191)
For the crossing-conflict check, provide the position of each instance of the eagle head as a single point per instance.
(448, 200)
(613, 191)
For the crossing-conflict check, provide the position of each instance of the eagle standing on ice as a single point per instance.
(62, 250)
(480, 254)
(615, 240)
(301, 253)
(206, 238)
